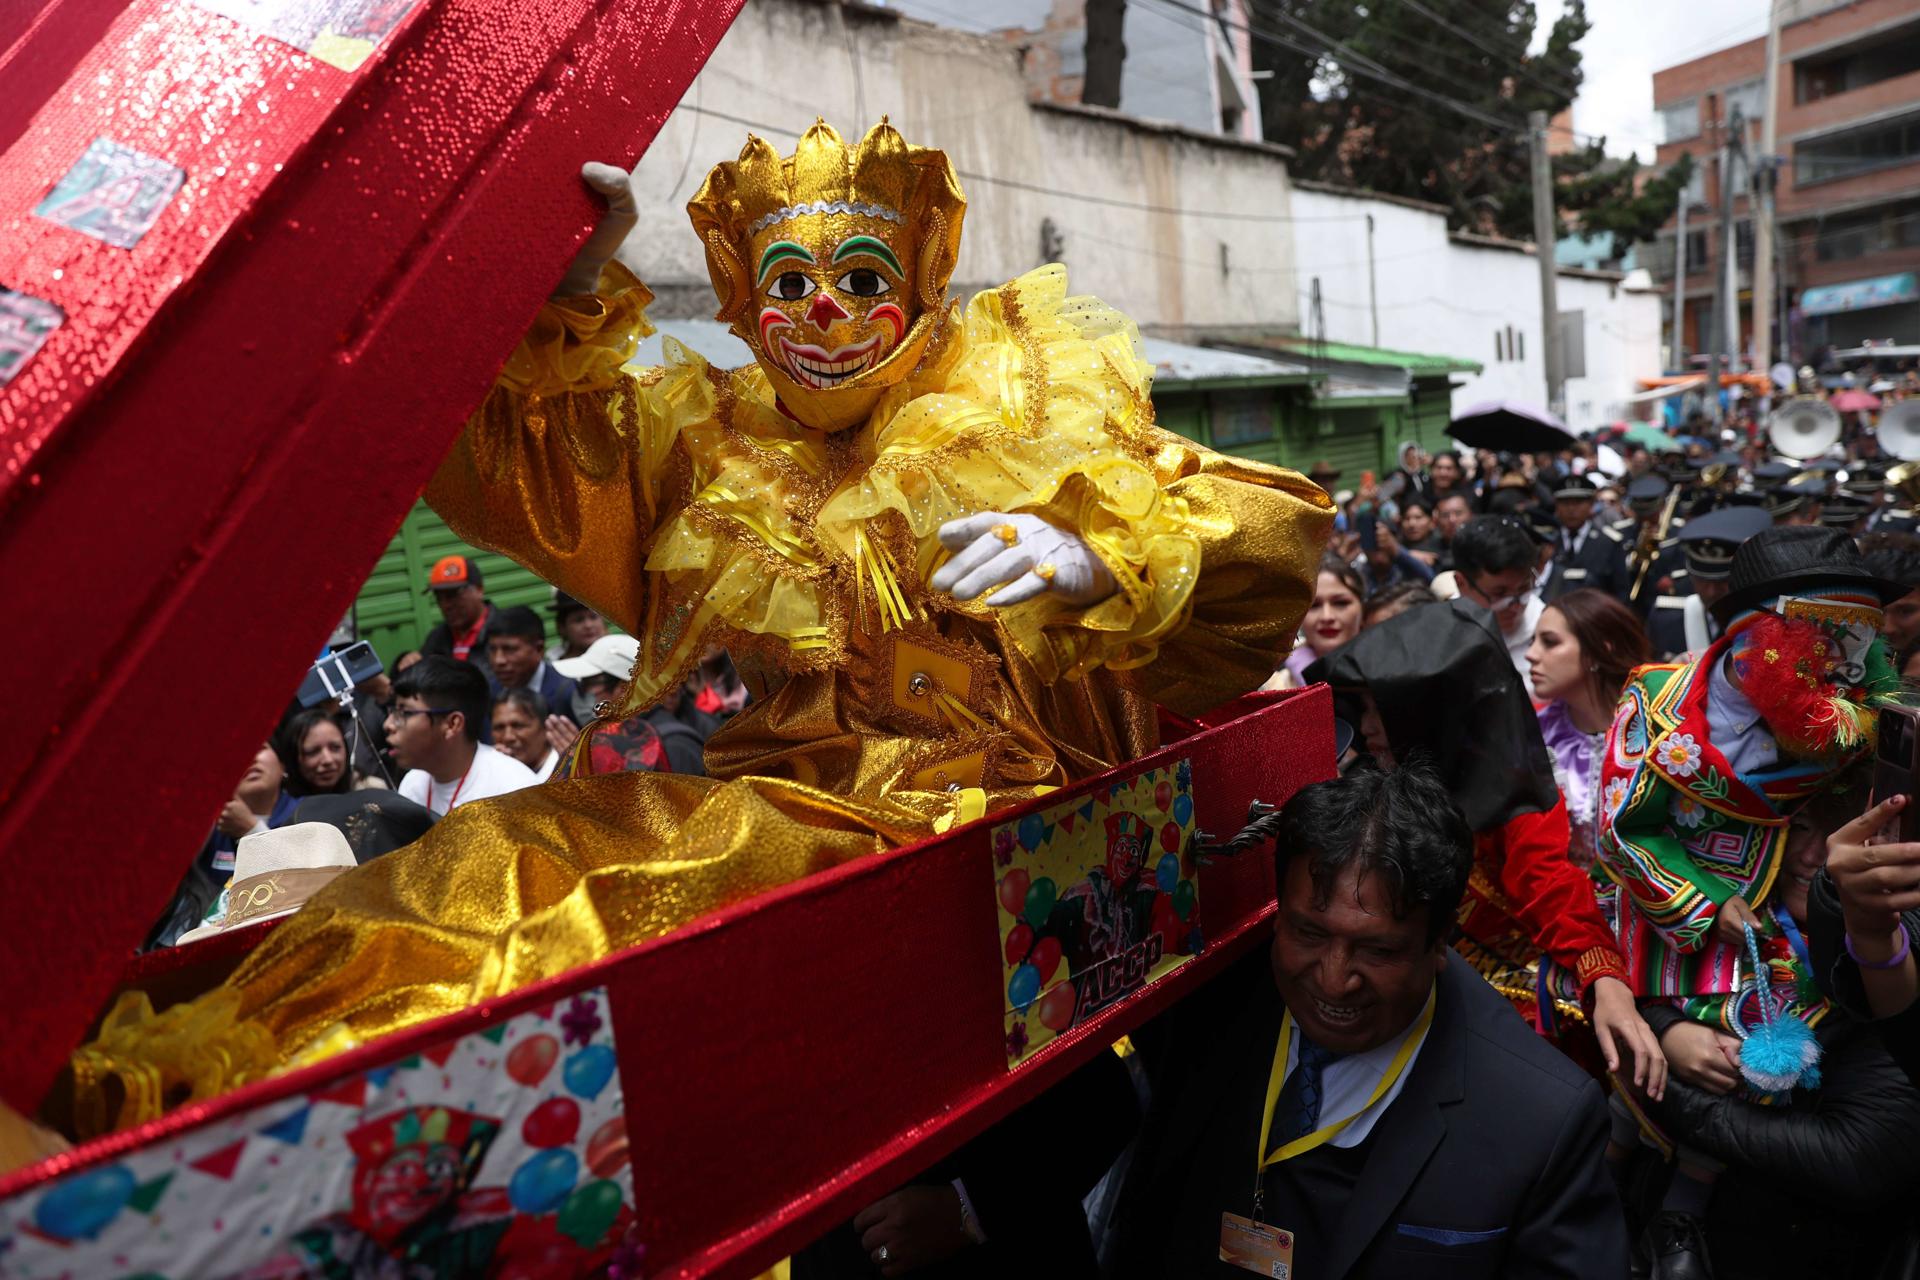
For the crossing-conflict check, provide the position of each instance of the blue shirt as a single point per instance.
(1738, 731)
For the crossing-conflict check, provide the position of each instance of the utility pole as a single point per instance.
(1725, 300)
(1543, 242)
(1680, 286)
(1764, 176)
(1373, 296)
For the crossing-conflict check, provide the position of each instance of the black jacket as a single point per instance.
(1839, 976)
(1600, 563)
(1488, 1164)
(1831, 1174)
(1026, 1177)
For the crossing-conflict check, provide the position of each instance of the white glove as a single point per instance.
(1039, 558)
(623, 212)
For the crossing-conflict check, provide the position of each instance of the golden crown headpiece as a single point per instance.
(883, 178)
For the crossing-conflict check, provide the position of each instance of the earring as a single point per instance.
(1593, 666)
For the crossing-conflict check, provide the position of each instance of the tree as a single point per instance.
(1429, 99)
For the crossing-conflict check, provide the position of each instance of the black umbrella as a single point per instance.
(1505, 427)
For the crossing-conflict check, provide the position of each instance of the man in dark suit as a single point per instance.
(1363, 1105)
(517, 654)
(1585, 554)
(1681, 620)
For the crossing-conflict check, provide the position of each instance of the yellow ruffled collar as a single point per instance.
(786, 533)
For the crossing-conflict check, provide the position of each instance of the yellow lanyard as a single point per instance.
(1307, 1142)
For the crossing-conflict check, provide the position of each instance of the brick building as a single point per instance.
(1847, 143)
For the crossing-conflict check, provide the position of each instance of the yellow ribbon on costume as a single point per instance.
(957, 713)
(872, 562)
(191, 1051)
(724, 501)
(1326, 1133)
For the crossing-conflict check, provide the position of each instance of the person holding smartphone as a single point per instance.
(1864, 919)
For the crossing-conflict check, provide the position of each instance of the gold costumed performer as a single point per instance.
(952, 555)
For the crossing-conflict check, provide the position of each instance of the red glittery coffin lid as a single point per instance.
(258, 260)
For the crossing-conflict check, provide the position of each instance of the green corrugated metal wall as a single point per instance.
(394, 611)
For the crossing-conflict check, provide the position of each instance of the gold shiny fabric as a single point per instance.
(684, 505)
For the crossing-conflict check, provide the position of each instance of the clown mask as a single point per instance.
(832, 264)
(829, 291)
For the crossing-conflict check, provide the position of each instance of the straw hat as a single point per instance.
(275, 872)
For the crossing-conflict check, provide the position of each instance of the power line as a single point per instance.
(1357, 64)
(1209, 265)
(1465, 33)
(1229, 215)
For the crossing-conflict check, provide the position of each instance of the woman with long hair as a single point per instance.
(1339, 600)
(313, 746)
(1586, 645)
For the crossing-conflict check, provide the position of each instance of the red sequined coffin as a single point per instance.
(258, 260)
(714, 1099)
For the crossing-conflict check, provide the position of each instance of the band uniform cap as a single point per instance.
(275, 872)
(1576, 488)
(1774, 472)
(451, 573)
(608, 656)
(1647, 490)
(1794, 560)
(1843, 512)
(1710, 541)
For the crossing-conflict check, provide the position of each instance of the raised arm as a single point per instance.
(563, 467)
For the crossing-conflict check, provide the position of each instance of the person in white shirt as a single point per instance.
(434, 733)
(1494, 559)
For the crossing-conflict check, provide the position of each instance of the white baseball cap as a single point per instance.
(608, 656)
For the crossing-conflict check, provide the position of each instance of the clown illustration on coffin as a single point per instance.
(955, 560)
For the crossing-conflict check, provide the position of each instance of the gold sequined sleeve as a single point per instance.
(563, 467)
(1261, 530)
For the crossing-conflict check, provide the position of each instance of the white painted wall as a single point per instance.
(786, 61)
(1439, 296)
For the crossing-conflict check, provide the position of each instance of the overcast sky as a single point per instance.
(1633, 38)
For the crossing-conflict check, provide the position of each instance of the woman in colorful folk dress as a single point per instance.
(1437, 681)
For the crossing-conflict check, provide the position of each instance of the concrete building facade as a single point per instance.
(1847, 155)
(1185, 230)
(1391, 275)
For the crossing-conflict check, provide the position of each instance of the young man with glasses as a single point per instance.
(1495, 562)
(439, 704)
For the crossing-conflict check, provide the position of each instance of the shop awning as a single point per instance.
(1860, 295)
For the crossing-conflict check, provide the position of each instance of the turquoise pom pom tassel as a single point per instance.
(1781, 1053)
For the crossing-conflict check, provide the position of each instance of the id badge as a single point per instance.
(1256, 1247)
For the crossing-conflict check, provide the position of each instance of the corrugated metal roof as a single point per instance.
(1172, 361)
(1178, 362)
(1347, 353)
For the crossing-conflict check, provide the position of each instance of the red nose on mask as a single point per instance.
(825, 310)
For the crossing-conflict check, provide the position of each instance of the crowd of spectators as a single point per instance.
(490, 703)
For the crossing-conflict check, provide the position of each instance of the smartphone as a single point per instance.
(337, 671)
(1895, 766)
(1369, 526)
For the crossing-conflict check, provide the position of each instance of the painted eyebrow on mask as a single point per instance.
(783, 251)
(858, 245)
